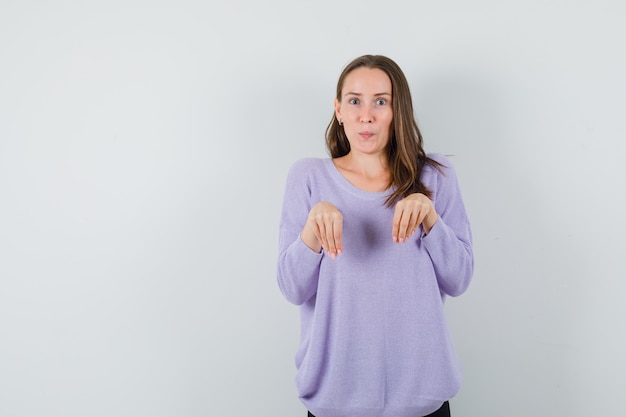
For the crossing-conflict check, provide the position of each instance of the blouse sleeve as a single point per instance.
(298, 265)
(449, 242)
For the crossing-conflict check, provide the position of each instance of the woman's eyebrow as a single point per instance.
(349, 93)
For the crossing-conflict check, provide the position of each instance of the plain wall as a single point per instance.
(143, 153)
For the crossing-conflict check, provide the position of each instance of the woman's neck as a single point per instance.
(367, 172)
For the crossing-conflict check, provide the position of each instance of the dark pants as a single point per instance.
(444, 411)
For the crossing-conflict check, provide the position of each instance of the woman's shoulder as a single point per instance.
(306, 167)
(440, 159)
(438, 165)
(440, 173)
(309, 163)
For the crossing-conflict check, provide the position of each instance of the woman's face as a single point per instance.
(365, 110)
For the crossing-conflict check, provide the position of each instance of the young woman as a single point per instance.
(371, 241)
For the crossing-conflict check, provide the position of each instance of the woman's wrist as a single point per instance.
(309, 239)
(429, 222)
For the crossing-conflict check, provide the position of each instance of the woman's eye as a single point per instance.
(381, 102)
(353, 101)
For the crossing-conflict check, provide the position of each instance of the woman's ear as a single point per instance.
(338, 111)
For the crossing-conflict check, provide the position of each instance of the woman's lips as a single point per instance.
(366, 135)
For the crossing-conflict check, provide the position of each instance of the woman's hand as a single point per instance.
(411, 211)
(323, 229)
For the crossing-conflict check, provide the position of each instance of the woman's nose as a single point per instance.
(366, 115)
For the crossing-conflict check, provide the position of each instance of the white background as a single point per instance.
(143, 152)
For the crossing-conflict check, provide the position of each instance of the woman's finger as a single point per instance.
(337, 234)
(403, 223)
